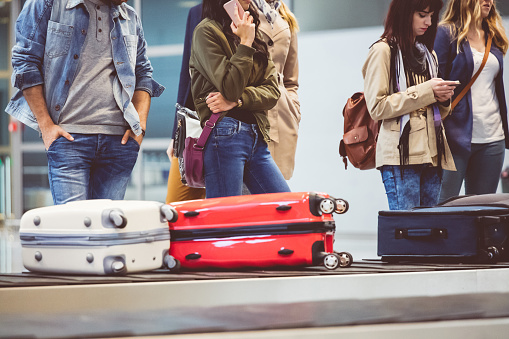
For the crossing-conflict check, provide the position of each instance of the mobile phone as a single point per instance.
(229, 7)
(454, 83)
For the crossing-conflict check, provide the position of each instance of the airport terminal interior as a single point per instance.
(461, 300)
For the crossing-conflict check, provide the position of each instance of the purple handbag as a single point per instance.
(193, 154)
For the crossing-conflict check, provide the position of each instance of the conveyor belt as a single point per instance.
(162, 303)
(363, 267)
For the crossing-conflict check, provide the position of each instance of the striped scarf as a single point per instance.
(401, 77)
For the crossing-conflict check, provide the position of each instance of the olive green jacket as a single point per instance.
(216, 67)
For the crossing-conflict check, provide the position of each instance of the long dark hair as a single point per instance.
(399, 23)
(213, 9)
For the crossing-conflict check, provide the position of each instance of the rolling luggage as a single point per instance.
(264, 230)
(102, 237)
(473, 231)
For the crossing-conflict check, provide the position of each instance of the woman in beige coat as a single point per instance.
(402, 89)
(279, 29)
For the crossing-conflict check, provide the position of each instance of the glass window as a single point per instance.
(336, 14)
(36, 191)
(5, 9)
(4, 118)
(164, 22)
(5, 86)
(162, 109)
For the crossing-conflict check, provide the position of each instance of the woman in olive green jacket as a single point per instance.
(232, 74)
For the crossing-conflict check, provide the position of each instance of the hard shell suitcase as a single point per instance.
(278, 229)
(495, 199)
(444, 233)
(102, 237)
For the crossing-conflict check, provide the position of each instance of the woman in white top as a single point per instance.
(477, 129)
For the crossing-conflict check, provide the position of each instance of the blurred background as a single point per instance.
(333, 44)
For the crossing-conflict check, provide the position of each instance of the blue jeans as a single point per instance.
(236, 153)
(480, 168)
(93, 166)
(419, 186)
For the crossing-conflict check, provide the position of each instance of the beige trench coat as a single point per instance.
(383, 104)
(284, 118)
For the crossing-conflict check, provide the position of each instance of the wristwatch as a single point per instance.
(143, 132)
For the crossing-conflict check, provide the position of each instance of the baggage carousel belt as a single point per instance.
(162, 275)
(38, 320)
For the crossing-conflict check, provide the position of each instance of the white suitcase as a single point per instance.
(102, 237)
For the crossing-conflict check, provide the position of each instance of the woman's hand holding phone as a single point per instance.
(443, 89)
(245, 29)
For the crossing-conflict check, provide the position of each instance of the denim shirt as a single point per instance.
(49, 39)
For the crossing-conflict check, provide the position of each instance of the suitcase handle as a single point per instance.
(490, 220)
(421, 233)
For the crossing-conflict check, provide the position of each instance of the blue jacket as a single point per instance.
(184, 91)
(454, 66)
(49, 38)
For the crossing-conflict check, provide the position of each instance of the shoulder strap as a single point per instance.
(207, 129)
(474, 78)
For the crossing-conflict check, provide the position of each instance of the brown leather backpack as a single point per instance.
(360, 134)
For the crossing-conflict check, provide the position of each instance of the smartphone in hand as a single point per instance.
(229, 7)
(453, 83)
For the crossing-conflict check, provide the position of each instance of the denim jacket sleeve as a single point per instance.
(28, 52)
(143, 71)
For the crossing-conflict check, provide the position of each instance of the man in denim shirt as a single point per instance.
(85, 83)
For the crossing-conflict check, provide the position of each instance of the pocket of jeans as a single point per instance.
(53, 143)
(226, 131)
(131, 43)
(58, 39)
(132, 142)
(226, 127)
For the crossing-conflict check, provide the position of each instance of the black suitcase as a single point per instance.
(475, 230)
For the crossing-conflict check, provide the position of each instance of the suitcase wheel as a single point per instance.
(492, 254)
(331, 261)
(171, 263)
(169, 213)
(327, 206)
(341, 206)
(345, 259)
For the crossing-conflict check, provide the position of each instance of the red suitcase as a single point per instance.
(264, 230)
